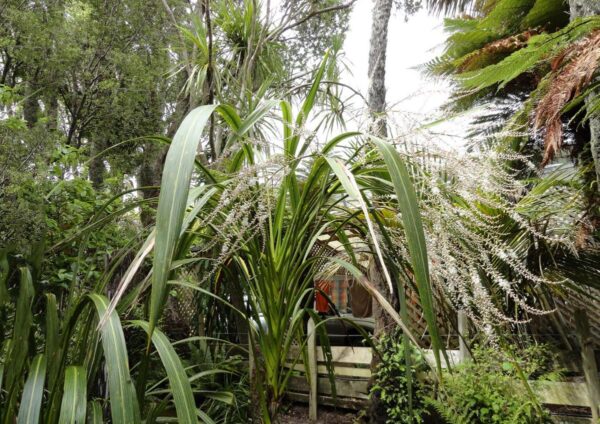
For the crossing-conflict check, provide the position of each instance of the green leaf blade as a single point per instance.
(178, 379)
(74, 403)
(176, 178)
(31, 402)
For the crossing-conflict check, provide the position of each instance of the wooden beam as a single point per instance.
(346, 355)
(463, 334)
(349, 403)
(590, 368)
(345, 388)
(338, 371)
(560, 393)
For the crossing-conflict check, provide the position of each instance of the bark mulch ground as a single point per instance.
(298, 414)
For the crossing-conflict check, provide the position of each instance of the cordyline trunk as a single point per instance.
(377, 59)
(382, 10)
(583, 8)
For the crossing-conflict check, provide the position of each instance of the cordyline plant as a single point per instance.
(268, 216)
(289, 201)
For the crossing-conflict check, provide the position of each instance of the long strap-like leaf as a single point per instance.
(123, 402)
(19, 346)
(31, 402)
(178, 379)
(74, 402)
(52, 339)
(94, 412)
(415, 236)
(174, 188)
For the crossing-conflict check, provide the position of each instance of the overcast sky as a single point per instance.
(410, 43)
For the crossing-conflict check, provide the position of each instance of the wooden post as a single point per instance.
(590, 368)
(463, 334)
(312, 369)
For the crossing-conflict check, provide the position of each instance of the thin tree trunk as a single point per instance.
(377, 59)
(52, 113)
(150, 173)
(31, 106)
(583, 8)
(149, 178)
(382, 10)
(96, 171)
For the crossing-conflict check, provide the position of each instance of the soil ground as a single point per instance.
(298, 414)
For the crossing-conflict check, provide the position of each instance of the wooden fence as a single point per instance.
(352, 373)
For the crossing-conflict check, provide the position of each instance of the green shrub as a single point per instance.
(490, 389)
(392, 381)
(72, 206)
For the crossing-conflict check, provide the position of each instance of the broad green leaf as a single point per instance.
(241, 127)
(178, 379)
(94, 413)
(205, 418)
(351, 187)
(221, 396)
(19, 346)
(413, 228)
(123, 401)
(291, 145)
(31, 402)
(73, 406)
(52, 338)
(141, 254)
(177, 174)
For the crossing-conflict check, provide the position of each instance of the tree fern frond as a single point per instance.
(582, 60)
(540, 48)
(495, 51)
(550, 14)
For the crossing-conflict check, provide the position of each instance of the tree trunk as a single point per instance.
(382, 10)
(96, 171)
(52, 113)
(31, 106)
(377, 59)
(150, 176)
(583, 8)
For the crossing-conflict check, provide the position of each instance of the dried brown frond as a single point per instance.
(496, 48)
(572, 70)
